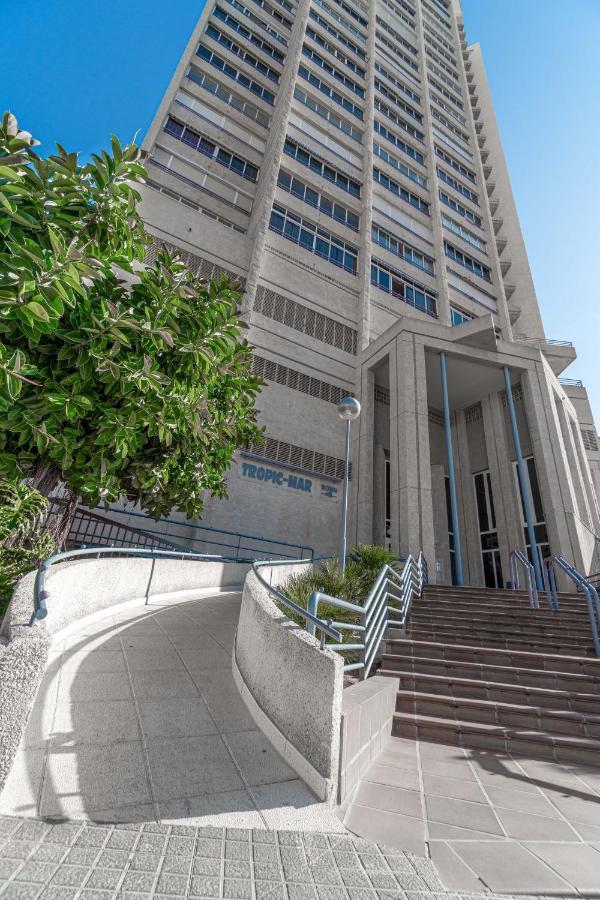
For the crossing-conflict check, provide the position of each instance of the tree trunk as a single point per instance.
(59, 523)
(45, 478)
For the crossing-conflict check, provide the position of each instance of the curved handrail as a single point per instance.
(591, 594)
(40, 594)
(517, 556)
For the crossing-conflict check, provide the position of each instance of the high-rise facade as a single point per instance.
(341, 159)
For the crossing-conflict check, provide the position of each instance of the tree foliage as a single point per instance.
(119, 380)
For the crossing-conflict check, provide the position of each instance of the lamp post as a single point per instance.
(348, 409)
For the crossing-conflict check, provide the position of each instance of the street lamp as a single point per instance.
(348, 409)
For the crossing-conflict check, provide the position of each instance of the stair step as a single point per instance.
(421, 612)
(530, 742)
(443, 591)
(509, 715)
(507, 674)
(541, 644)
(506, 604)
(519, 694)
(509, 629)
(487, 656)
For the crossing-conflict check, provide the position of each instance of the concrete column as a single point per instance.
(506, 502)
(411, 501)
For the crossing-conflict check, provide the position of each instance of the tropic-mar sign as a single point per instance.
(277, 478)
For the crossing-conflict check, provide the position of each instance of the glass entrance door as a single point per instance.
(488, 534)
(539, 524)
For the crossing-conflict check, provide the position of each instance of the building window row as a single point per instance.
(463, 232)
(346, 42)
(218, 90)
(185, 201)
(256, 20)
(446, 139)
(246, 33)
(401, 87)
(328, 114)
(403, 287)
(460, 209)
(331, 70)
(202, 145)
(390, 114)
(456, 165)
(391, 46)
(459, 316)
(397, 142)
(322, 86)
(401, 191)
(473, 265)
(390, 95)
(335, 51)
(395, 8)
(439, 74)
(231, 72)
(457, 186)
(397, 37)
(400, 248)
(431, 55)
(431, 12)
(342, 21)
(350, 11)
(314, 239)
(450, 125)
(271, 11)
(448, 109)
(320, 167)
(241, 53)
(445, 93)
(307, 194)
(441, 39)
(399, 166)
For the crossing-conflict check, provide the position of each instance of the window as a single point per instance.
(400, 248)
(210, 149)
(449, 125)
(463, 232)
(458, 316)
(438, 37)
(335, 33)
(460, 209)
(390, 114)
(328, 114)
(458, 166)
(442, 90)
(435, 15)
(488, 534)
(352, 12)
(330, 92)
(438, 49)
(448, 140)
(332, 208)
(255, 19)
(397, 83)
(251, 36)
(397, 37)
(401, 192)
(390, 95)
(443, 105)
(341, 19)
(398, 12)
(234, 48)
(275, 12)
(331, 70)
(539, 525)
(392, 46)
(454, 87)
(399, 165)
(314, 239)
(213, 87)
(403, 287)
(321, 167)
(397, 142)
(468, 262)
(334, 51)
(457, 186)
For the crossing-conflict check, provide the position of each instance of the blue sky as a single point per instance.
(76, 71)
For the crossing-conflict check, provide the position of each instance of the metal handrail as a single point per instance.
(41, 595)
(517, 556)
(551, 343)
(573, 382)
(591, 594)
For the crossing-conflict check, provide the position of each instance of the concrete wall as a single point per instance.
(367, 716)
(291, 687)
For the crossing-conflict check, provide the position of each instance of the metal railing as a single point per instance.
(573, 382)
(544, 341)
(518, 557)
(91, 528)
(41, 595)
(583, 584)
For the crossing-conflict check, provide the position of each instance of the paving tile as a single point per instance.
(148, 659)
(438, 831)
(97, 686)
(578, 864)
(23, 784)
(506, 867)
(524, 827)
(394, 776)
(257, 759)
(402, 832)
(104, 879)
(206, 658)
(205, 886)
(448, 811)
(36, 872)
(229, 712)
(189, 766)
(457, 788)
(163, 685)
(214, 682)
(85, 661)
(455, 875)
(290, 804)
(384, 797)
(575, 809)
(175, 717)
(222, 808)
(91, 722)
(502, 796)
(455, 769)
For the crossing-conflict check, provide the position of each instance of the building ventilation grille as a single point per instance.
(298, 381)
(299, 458)
(473, 413)
(517, 393)
(306, 320)
(590, 439)
(382, 396)
(200, 267)
(436, 416)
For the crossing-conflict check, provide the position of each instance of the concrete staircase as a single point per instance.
(481, 669)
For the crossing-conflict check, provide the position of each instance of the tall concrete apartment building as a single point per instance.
(342, 160)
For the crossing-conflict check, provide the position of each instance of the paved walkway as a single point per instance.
(488, 820)
(138, 719)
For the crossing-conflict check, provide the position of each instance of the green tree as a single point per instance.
(116, 379)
